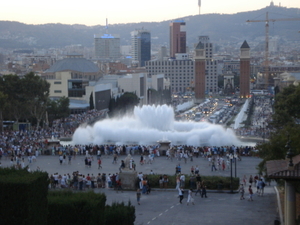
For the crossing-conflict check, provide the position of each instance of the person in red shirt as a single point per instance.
(99, 164)
(250, 194)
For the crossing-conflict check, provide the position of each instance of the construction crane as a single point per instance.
(266, 63)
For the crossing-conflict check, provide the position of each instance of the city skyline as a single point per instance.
(130, 11)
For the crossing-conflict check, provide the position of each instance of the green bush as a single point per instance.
(212, 182)
(119, 213)
(25, 200)
(67, 207)
(154, 181)
(23, 197)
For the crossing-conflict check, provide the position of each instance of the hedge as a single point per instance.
(23, 197)
(119, 213)
(25, 200)
(211, 182)
(67, 207)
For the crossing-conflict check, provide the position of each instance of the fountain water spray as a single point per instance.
(148, 124)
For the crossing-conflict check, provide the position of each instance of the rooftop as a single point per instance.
(74, 64)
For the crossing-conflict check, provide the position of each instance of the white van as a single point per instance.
(213, 118)
(198, 116)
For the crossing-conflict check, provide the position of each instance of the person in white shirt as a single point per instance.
(180, 193)
(182, 181)
(190, 199)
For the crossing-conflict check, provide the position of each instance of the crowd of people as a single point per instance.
(256, 181)
(260, 119)
(30, 141)
(27, 142)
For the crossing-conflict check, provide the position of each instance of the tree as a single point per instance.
(92, 101)
(3, 98)
(286, 125)
(58, 108)
(123, 104)
(287, 107)
(36, 94)
(11, 86)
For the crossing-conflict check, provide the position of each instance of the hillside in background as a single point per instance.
(222, 29)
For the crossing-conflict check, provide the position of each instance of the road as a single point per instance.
(162, 206)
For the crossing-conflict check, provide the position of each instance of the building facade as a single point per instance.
(107, 46)
(140, 47)
(199, 72)
(177, 37)
(245, 70)
(179, 71)
(211, 67)
(69, 77)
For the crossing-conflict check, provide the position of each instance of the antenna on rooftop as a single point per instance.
(106, 26)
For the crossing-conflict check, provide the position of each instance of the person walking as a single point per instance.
(245, 180)
(177, 182)
(119, 186)
(61, 159)
(70, 158)
(261, 185)
(242, 192)
(138, 196)
(203, 191)
(250, 180)
(122, 166)
(182, 181)
(198, 188)
(99, 163)
(115, 157)
(180, 192)
(250, 193)
(190, 198)
(213, 165)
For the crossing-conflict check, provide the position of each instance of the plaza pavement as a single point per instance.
(162, 206)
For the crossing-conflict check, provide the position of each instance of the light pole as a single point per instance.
(231, 188)
(263, 132)
(235, 162)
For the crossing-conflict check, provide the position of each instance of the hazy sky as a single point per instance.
(92, 12)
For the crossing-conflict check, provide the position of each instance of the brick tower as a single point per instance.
(245, 71)
(199, 73)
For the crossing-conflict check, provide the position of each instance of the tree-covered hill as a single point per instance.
(222, 28)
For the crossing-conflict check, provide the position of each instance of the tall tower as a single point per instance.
(141, 46)
(211, 74)
(107, 46)
(199, 72)
(177, 37)
(245, 70)
(199, 5)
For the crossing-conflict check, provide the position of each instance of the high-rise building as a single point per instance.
(199, 72)
(177, 37)
(180, 71)
(162, 53)
(140, 46)
(211, 76)
(107, 46)
(245, 70)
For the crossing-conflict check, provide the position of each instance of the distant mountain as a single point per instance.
(222, 29)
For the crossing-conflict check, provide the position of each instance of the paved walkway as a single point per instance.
(162, 207)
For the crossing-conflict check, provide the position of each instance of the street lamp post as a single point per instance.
(263, 132)
(231, 186)
(235, 162)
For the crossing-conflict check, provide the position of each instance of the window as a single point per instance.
(57, 91)
(57, 82)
